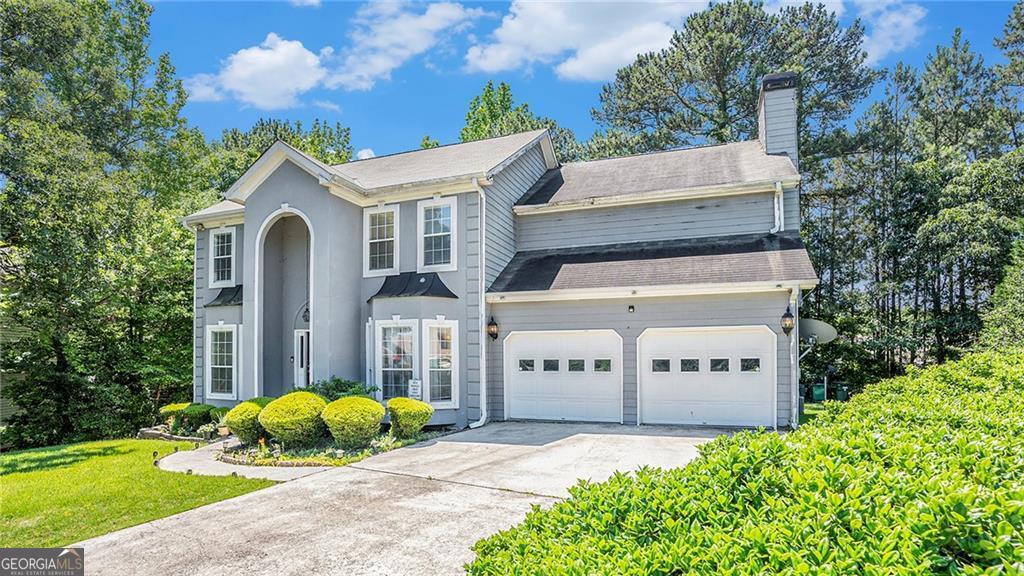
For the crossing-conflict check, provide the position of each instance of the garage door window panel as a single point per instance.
(661, 365)
(577, 365)
(603, 365)
(719, 365)
(689, 365)
(526, 365)
(552, 365)
(749, 365)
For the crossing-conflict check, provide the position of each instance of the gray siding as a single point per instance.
(744, 214)
(777, 123)
(711, 310)
(203, 295)
(507, 187)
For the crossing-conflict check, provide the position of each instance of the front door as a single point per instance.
(301, 359)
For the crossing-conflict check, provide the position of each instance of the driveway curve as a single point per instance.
(416, 510)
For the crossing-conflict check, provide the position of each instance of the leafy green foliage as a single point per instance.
(917, 474)
(294, 419)
(1004, 321)
(173, 409)
(408, 416)
(353, 421)
(243, 421)
(333, 388)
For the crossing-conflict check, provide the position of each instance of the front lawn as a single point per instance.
(922, 474)
(65, 494)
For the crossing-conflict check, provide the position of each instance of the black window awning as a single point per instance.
(409, 284)
(227, 297)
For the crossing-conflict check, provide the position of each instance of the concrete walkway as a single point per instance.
(416, 510)
(203, 461)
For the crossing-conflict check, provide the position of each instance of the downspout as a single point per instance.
(483, 311)
(794, 361)
(780, 214)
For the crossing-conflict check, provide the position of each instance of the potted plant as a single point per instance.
(222, 425)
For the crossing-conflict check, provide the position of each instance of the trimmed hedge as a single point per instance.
(173, 409)
(243, 421)
(353, 420)
(196, 415)
(921, 474)
(294, 419)
(408, 416)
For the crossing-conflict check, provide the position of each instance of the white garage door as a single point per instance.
(714, 376)
(573, 375)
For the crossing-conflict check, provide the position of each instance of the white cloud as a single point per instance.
(269, 76)
(327, 105)
(583, 41)
(388, 34)
(892, 26)
(313, 3)
(365, 153)
(203, 88)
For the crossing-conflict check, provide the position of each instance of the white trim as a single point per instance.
(794, 361)
(656, 196)
(378, 332)
(210, 256)
(453, 204)
(235, 352)
(646, 291)
(367, 213)
(507, 361)
(452, 325)
(272, 158)
(774, 360)
(261, 236)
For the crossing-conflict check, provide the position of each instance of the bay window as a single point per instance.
(440, 363)
(396, 356)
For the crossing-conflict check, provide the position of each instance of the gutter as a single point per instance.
(483, 308)
(780, 214)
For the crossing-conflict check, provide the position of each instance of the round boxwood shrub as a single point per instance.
(408, 416)
(243, 421)
(173, 409)
(294, 419)
(353, 420)
(196, 415)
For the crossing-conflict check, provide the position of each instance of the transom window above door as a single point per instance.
(436, 228)
(222, 258)
(380, 240)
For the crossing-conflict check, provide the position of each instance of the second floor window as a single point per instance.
(380, 245)
(222, 258)
(437, 234)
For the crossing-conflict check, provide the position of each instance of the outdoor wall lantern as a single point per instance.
(788, 321)
(492, 329)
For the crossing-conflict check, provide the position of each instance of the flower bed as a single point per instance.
(922, 474)
(324, 454)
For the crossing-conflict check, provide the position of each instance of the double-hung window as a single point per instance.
(222, 361)
(222, 258)
(440, 363)
(437, 235)
(396, 356)
(380, 241)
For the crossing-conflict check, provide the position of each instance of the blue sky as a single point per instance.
(395, 72)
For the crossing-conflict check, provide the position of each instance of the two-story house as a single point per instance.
(644, 289)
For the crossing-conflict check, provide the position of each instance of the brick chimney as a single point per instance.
(776, 115)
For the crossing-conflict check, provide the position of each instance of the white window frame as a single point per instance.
(378, 348)
(453, 203)
(235, 360)
(425, 356)
(229, 283)
(367, 212)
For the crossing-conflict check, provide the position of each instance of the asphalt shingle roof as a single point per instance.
(715, 260)
(724, 164)
(431, 164)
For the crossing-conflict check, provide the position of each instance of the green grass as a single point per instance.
(65, 494)
(811, 411)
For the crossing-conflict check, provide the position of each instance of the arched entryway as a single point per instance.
(283, 296)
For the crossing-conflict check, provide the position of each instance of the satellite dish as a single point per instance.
(817, 331)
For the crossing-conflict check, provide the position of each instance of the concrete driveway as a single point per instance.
(412, 511)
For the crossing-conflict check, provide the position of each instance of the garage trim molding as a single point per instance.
(507, 364)
(645, 291)
(775, 362)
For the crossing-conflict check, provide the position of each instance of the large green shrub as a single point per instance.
(353, 421)
(333, 388)
(171, 410)
(921, 474)
(195, 415)
(408, 416)
(243, 421)
(294, 419)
